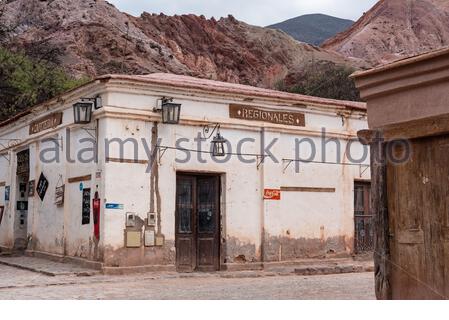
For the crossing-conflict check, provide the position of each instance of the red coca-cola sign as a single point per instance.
(272, 194)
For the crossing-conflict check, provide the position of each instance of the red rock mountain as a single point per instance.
(394, 29)
(92, 37)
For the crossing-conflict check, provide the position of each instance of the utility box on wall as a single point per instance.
(133, 239)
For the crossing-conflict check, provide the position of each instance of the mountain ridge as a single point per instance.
(94, 38)
(394, 29)
(313, 28)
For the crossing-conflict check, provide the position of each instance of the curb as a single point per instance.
(48, 273)
(310, 271)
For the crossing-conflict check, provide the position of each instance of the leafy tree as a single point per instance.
(25, 82)
(325, 80)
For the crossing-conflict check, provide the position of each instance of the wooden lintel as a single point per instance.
(307, 189)
(80, 179)
(426, 127)
(119, 160)
(2, 184)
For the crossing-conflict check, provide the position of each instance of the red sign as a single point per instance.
(272, 194)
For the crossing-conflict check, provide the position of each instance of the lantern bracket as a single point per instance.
(161, 101)
(207, 133)
(162, 151)
(287, 163)
(89, 132)
(260, 160)
(96, 101)
(362, 171)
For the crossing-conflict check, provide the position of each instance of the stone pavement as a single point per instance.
(299, 267)
(23, 284)
(44, 266)
(34, 278)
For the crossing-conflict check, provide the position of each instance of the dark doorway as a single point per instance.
(364, 232)
(197, 223)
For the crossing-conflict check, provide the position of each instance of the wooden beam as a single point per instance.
(379, 209)
(306, 189)
(80, 179)
(119, 160)
(2, 184)
(426, 127)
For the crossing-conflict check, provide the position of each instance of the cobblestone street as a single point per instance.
(22, 284)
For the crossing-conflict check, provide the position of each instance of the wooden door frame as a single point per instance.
(220, 176)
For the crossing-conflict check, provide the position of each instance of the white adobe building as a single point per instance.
(67, 190)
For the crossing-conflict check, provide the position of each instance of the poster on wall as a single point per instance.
(7, 192)
(42, 186)
(2, 209)
(86, 207)
(31, 186)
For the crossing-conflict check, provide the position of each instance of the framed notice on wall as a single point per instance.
(85, 208)
(59, 195)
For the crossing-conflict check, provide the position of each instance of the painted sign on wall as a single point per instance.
(272, 194)
(289, 118)
(114, 206)
(48, 122)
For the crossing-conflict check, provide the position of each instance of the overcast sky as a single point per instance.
(257, 12)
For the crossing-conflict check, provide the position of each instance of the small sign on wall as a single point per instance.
(31, 187)
(59, 195)
(272, 194)
(42, 186)
(114, 206)
(85, 207)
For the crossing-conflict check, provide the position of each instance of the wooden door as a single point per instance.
(418, 202)
(363, 218)
(197, 223)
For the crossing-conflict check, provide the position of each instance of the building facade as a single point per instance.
(125, 190)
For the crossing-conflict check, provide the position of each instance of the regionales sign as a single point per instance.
(289, 118)
(48, 122)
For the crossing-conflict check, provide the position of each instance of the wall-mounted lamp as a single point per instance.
(170, 111)
(218, 142)
(82, 110)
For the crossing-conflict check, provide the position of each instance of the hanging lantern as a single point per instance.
(170, 111)
(218, 146)
(82, 112)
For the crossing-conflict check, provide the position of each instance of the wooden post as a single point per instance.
(379, 209)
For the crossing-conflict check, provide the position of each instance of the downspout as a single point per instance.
(154, 180)
(262, 187)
